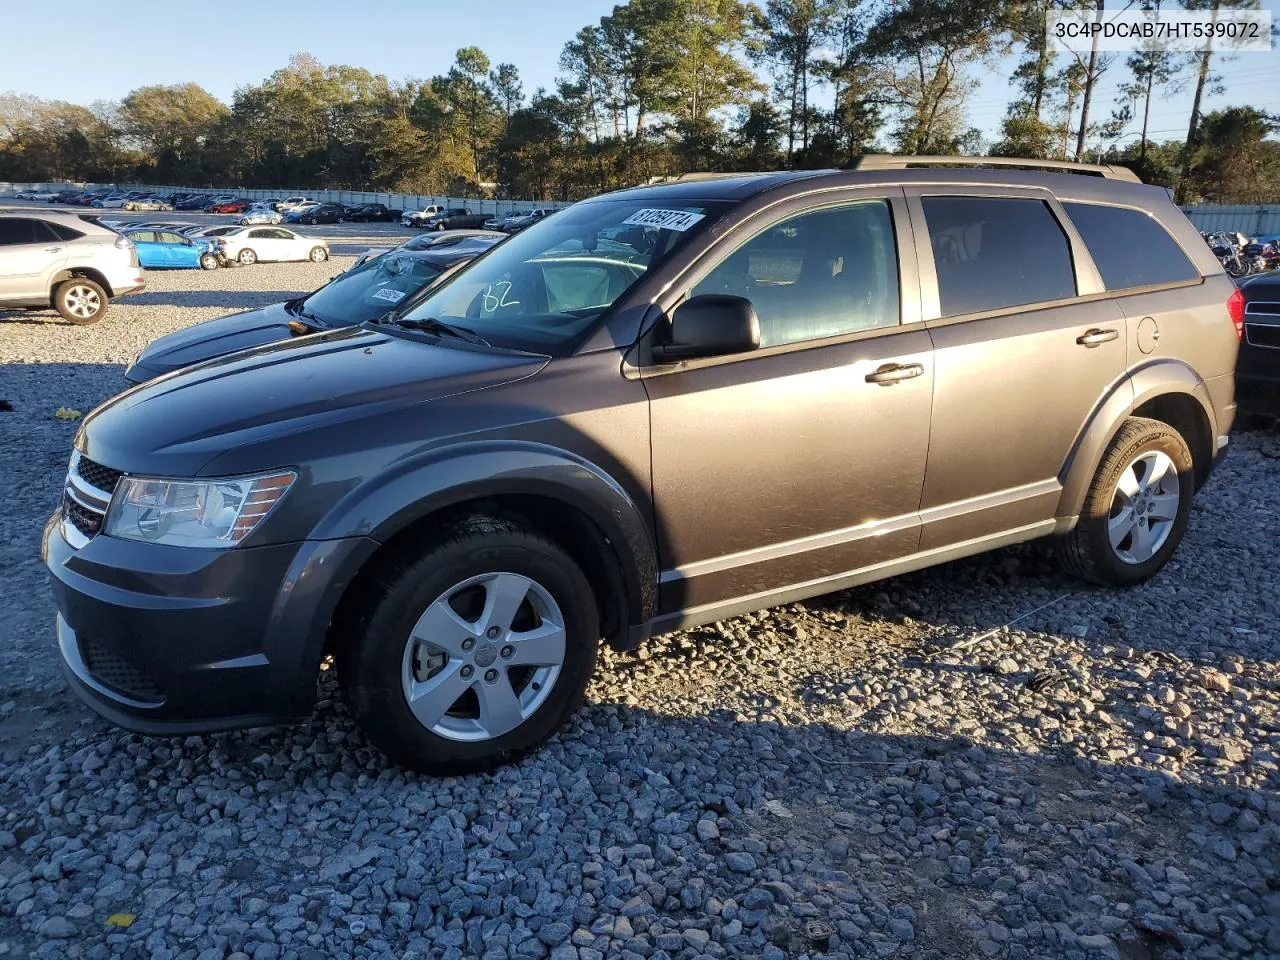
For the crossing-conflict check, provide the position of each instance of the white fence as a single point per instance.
(395, 201)
(1252, 220)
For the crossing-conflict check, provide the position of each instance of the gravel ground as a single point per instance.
(888, 771)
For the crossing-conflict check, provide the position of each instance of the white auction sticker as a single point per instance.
(679, 220)
(386, 293)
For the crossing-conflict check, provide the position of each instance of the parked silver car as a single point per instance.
(64, 261)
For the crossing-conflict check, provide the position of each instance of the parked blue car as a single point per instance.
(166, 250)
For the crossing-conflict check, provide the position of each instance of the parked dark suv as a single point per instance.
(1259, 372)
(658, 408)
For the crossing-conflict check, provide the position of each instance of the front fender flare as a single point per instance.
(419, 486)
(1158, 378)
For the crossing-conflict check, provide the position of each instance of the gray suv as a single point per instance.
(66, 262)
(660, 407)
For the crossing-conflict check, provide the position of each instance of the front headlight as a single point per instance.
(216, 514)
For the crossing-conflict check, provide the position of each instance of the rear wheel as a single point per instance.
(247, 257)
(1137, 508)
(319, 254)
(474, 653)
(440, 225)
(80, 301)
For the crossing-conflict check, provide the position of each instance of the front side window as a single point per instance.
(546, 286)
(370, 290)
(824, 273)
(994, 252)
(1129, 248)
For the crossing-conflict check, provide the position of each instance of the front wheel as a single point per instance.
(475, 652)
(319, 254)
(208, 261)
(247, 257)
(80, 301)
(1137, 507)
(440, 226)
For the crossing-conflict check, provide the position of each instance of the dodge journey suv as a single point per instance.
(660, 407)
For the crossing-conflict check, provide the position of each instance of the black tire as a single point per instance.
(208, 261)
(1087, 552)
(370, 661)
(80, 301)
(247, 257)
(440, 225)
(318, 255)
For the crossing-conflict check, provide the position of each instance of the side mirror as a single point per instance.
(710, 325)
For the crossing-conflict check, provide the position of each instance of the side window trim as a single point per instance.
(1088, 280)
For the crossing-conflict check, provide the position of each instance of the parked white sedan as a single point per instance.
(251, 244)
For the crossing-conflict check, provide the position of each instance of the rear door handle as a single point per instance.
(1095, 336)
(52, 249)
(891, 373)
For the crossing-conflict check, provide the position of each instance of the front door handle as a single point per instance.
(891, 373)
(1095, 336)
(52, 249)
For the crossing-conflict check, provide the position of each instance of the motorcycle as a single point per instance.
(1261, 257)
(1228, 255)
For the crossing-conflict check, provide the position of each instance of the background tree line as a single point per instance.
(659, 87)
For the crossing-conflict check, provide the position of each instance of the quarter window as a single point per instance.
(994, 252)
(825, 273)
(1129, 247)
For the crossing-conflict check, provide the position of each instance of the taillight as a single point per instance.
(1235, 307)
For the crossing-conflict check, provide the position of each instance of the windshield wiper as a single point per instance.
(438, 327)
(294, 307)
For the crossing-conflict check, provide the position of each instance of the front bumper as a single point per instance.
(166, 639)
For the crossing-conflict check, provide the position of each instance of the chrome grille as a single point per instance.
(85, 498)
(87, 521)
(1262, 324)
(97, 476)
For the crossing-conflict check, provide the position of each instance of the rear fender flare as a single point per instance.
(1159, 378)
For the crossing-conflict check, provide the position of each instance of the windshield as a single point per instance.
(543, 288)
(370, 290)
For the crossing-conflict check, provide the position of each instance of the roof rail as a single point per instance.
(887, 161)
(704, 175)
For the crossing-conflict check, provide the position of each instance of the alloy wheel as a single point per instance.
(483, 657)
(84, 302)
(1144, 507)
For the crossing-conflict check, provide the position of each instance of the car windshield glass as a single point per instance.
(370, 290)
(544, 287)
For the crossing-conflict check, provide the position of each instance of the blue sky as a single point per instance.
(153, 42)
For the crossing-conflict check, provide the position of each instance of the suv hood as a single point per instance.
(176, 425)
(213, 338)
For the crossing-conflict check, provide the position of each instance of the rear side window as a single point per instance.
(1129, 248)
(995, 252)
(15, 230)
